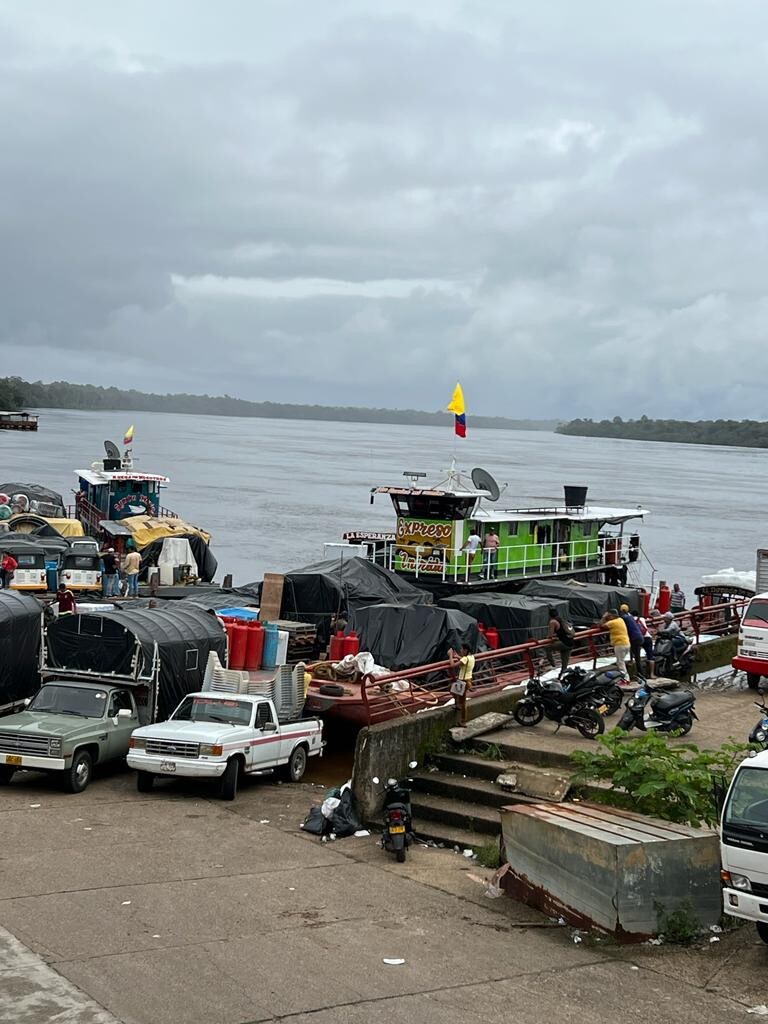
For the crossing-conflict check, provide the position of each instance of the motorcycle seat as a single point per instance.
(673, 700)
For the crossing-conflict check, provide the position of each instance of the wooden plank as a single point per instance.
(271, 596)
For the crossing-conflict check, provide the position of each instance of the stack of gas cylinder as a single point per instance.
(340, 646)
(252, 645)
(491, 635)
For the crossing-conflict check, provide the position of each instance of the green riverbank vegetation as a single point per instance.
(734, 433)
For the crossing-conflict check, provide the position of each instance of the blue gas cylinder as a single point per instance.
(271, 639)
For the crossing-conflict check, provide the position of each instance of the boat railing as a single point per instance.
(509, 561)
(427, 687)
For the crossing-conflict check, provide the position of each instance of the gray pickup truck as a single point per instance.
(67, 728)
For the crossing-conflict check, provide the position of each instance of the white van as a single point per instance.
(744, 844)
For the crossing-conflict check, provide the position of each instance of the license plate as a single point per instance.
(602, 709)
(168, 766)
(12, 759)
(396, 829)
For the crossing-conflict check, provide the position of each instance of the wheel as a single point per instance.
(297, 765)
(762, 930)
(228, 781)
(144, 781)
(6, 774)
(753, 680)
(627, 721)
(528, 712)
(78, 776)
(589, 722)
(683, 725)
(400, 855)
(613, 698)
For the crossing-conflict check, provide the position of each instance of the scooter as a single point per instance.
(662, 708)
(398, 822)
(673, 655)
(760, 732)
(600, 685)
(552, 701)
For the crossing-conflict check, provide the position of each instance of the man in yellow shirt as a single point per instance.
(619, 639)
(465, 663)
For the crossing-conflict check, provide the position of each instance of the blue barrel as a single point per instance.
(271, 638)
(52, 574)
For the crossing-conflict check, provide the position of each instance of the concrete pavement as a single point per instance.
(175, 908)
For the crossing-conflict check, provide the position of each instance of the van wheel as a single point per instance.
(297, 765)
(762, 930)
(6, 774)
(753, 680)
(144, 781)
(228, 783)
(76, 779)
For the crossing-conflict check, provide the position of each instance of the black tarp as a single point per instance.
(39, 494)
(20, 624)
(22, 543)
(587, 602)
(206, 562)
(517, 617)
(402, 637)
(213, 599)
(315, 593)
(105, 642)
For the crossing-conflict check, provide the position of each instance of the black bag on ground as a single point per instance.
(315, 823)
(346, 819)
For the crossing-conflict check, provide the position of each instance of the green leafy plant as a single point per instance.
(489, 855)
(651, 776)
(680, 925)
(490, 751)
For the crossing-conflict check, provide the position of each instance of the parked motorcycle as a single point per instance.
(661, 708)
(673, 655)
(600, 685)
(397, 835)
(553, 701)
(760, 732)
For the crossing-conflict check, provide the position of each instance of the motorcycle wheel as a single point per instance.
(528, 712)
(626, 722)
(613, 698)
(400, 855)
(589, 722)
(683, 725)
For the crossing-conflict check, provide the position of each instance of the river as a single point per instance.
(273, 491)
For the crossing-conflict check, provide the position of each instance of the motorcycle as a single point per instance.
(662, 708)
(673, 655)
(600, 685)
(553, 701)
(397, 835)
(760, 732)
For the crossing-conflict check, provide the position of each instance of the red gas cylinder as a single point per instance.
(481, 627)
(492, 636)
(665, 597)
(646, 599)
(237, 646)
(254, 647)
(336, 649)
(706, 600)
(351, 644)
(229, 626)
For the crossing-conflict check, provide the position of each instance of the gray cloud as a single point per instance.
(565, 208)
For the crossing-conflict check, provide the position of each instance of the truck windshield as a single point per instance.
(70, 700)
(214, 709)
(757, 614)
(748, 801)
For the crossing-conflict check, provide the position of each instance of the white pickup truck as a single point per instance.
(222, 735)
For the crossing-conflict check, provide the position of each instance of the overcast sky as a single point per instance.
(563, 205)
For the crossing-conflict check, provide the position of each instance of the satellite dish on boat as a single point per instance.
(113, 452)
(483, 481)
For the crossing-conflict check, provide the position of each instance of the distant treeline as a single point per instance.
(17, 394)
(737, 433)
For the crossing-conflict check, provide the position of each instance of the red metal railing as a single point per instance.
(428, 686)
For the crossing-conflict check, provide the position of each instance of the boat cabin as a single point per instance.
(434, 527)
(113, 490)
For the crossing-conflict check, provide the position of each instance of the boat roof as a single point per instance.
(96, 477)
(589, 513)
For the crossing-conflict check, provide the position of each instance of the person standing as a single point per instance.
(110, 573)
(465, 664)
(635, 638)
(562, 635)
(647, 646)
(65, 601)
(132, 567)
(8, 567)
(676, 599)
(491, 552)
(619, 640)
(471, 547)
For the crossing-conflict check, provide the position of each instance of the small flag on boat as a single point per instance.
(456, 406)
(128, 439)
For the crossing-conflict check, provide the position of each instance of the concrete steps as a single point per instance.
(431, 811)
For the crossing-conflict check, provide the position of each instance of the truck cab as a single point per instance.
(68, 727)
(744, 844)
(752, 647)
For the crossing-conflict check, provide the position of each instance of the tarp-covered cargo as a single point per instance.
(212, 599)
(20, 625)
(21, 543)
(39, 499)
(204, 558)
(587, 602)
(165, 648)
(517, 617)
(401, 637)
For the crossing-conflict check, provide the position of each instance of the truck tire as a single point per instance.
(6, 774)
(229, 780)
(144, 781)
(753, 680)
(77, 777)
(762, 930)
(297, 764)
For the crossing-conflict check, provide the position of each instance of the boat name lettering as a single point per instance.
(134, 499)
(407, 563)
(429, 531)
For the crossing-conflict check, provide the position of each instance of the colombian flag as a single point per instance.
(456, 406)
(128, 439)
